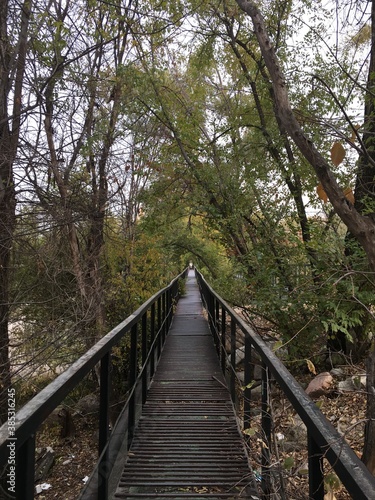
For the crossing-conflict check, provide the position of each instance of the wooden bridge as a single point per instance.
(187, 443)
(177, 435)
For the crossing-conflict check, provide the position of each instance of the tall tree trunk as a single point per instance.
(9, 135)
(364, 196)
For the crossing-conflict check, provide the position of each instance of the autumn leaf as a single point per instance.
(329, 496)
(348, 193)
(249, 385)
(354, 134)
(321, 193)
(337, 153)
(250, 432)
(311, 366)
(277, 345)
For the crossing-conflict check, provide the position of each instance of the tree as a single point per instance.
(13, 47)
(360, 222)
(362, 226)
(78, 166)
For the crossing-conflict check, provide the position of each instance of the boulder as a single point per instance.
(354, 383)
(87, 405)
(319, 385)
(338, 373)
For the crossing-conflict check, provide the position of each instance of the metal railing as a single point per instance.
(323, 440)
(147, 328)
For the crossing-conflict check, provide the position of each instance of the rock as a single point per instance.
(354, 383)
(295, 438)
(87, 405)
(337, 372)
(346, 385)
(319, 385)
(303, 470)
(292, 446)
(359, 381)
(256, 389)
(43, 463)
(240, 354)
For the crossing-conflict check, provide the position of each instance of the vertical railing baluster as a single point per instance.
(167, 311)
(104, 468)
(316, 475)
(164, 316)
(158, 349)
(132, 378)
(152, 338)
(223, 340)
(233, 359)
(25, 470)
(144, 357)
(266, 431)
(211, 312)
(217, 330)
(248, 377)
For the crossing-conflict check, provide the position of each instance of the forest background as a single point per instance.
(135, 137)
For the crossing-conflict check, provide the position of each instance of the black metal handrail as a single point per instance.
(323, 440)
(155, 317)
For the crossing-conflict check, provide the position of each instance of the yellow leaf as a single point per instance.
(337, 153)
(329, 496)
(277, 345)
(311, 366)
(354, 136)
(250, 432)
(348, 193)
(249, 385)
(321, 193)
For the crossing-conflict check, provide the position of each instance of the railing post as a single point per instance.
(233, 359)
(152, 338)
(103, 469)
(316, 476)
(248, 376)
(25, 470)
(266, 430)
(169, 309)
(132, 378)
(158, 348)
(144, 357)
(217, 331)
(223, 340)
(164, 318)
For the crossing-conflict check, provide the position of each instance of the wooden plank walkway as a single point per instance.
(187, 443)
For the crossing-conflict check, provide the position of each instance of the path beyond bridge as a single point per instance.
(187, 443)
